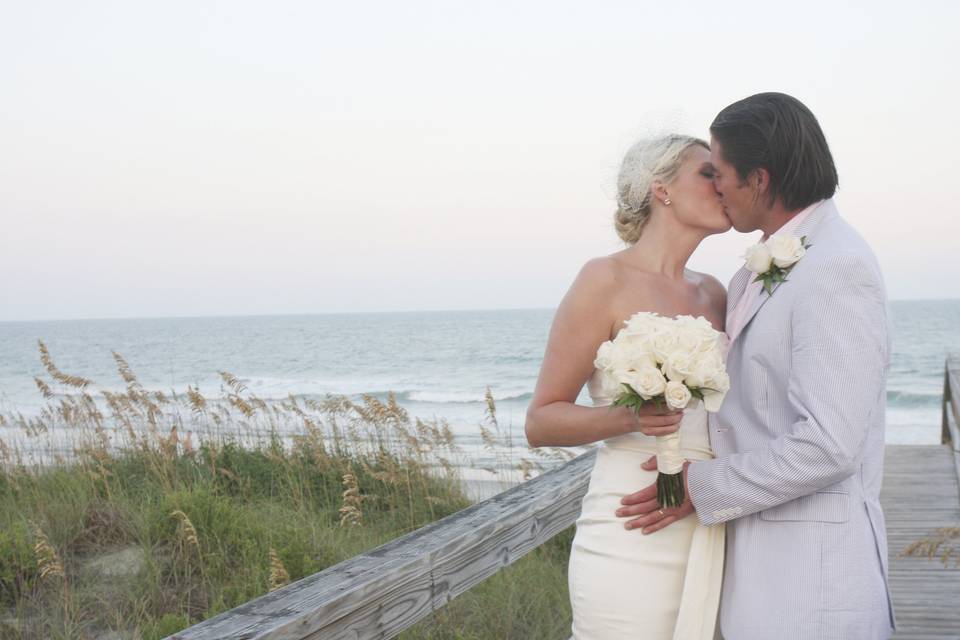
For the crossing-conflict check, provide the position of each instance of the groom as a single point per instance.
(799, 439)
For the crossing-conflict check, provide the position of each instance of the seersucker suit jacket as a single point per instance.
(799, 446)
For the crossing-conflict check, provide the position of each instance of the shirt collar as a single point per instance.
(794, 223)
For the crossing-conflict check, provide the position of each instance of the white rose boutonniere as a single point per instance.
(772, 260)
(758, 258)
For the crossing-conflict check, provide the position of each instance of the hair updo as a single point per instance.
(648, 160)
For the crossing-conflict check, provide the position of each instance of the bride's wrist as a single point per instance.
(629, 423)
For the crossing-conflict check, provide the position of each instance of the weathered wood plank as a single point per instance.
(379, 593)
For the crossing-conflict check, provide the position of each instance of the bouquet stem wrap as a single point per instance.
(670, 489)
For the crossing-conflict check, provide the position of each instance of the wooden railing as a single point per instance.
(380, 593)
(950, 435)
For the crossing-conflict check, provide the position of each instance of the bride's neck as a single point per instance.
(665, 247)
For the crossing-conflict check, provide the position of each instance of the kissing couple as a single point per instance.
(779, 533)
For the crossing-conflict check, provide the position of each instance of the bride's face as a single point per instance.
(694, 197)
(738, 197)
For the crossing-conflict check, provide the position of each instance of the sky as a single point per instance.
(227, 158)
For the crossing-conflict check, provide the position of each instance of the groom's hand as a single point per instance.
(644, 510)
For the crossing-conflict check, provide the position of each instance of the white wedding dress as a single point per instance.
(630, 586)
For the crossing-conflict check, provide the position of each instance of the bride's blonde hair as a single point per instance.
(648, 160)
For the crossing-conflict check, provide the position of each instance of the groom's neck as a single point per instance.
(776, 217)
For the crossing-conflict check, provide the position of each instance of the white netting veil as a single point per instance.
(655, 156)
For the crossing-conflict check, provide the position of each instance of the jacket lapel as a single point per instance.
(808, 228)
(737, 287)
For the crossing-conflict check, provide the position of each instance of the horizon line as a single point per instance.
(341, 313)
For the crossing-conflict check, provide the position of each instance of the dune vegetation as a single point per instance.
(151, 511)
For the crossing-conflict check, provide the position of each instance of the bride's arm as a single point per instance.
(582, 322)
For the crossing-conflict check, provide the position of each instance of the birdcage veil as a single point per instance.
(654, 151)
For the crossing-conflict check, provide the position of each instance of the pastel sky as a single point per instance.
(218, 158)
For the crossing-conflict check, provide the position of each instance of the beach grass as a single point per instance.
(151, 512)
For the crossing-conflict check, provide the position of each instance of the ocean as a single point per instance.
(438, 363)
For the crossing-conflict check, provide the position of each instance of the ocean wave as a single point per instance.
(460, 397)
(909, 399)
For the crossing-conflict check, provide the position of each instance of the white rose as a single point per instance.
(700, 372)
(678, 366)
(610, 386)
(710, 344)
(719, 381)
(758, 258)
(697, 334)
(664, 323)
(677, 395)
(785, 250)
(604, 359)
(642, 323)
(712, 400)
(623, 376)
(688, 340)
(686, 322)
(665, 343)
(630, 352)
(707, 335)
(648, 382)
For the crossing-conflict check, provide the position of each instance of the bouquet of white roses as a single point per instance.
(670, 363)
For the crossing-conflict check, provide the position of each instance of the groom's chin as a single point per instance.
(743, 227)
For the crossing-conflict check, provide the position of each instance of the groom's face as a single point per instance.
(739, 199)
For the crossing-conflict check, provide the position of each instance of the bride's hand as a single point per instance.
(651, 421)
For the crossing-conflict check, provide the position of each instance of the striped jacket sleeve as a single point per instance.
(838, 360)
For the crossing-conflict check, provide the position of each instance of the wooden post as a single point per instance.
(951, 406)
(945, 437)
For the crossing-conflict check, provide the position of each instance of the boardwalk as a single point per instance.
(920, 494)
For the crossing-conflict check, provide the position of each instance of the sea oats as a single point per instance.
(55, 373)
(278, 573)
(186, 532)
(49, 563)
(350, 511)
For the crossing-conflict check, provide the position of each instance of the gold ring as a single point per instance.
(660, 511)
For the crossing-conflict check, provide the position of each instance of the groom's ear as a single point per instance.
(760, 181)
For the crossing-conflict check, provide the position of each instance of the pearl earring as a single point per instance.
(667, 202)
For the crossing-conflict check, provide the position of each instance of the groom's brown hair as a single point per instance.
(779, 133)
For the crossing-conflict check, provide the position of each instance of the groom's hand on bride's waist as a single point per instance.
(644, 511)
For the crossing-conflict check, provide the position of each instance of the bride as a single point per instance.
(629, 584)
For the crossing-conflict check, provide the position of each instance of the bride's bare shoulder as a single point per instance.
(599, 274)
(711, 287)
